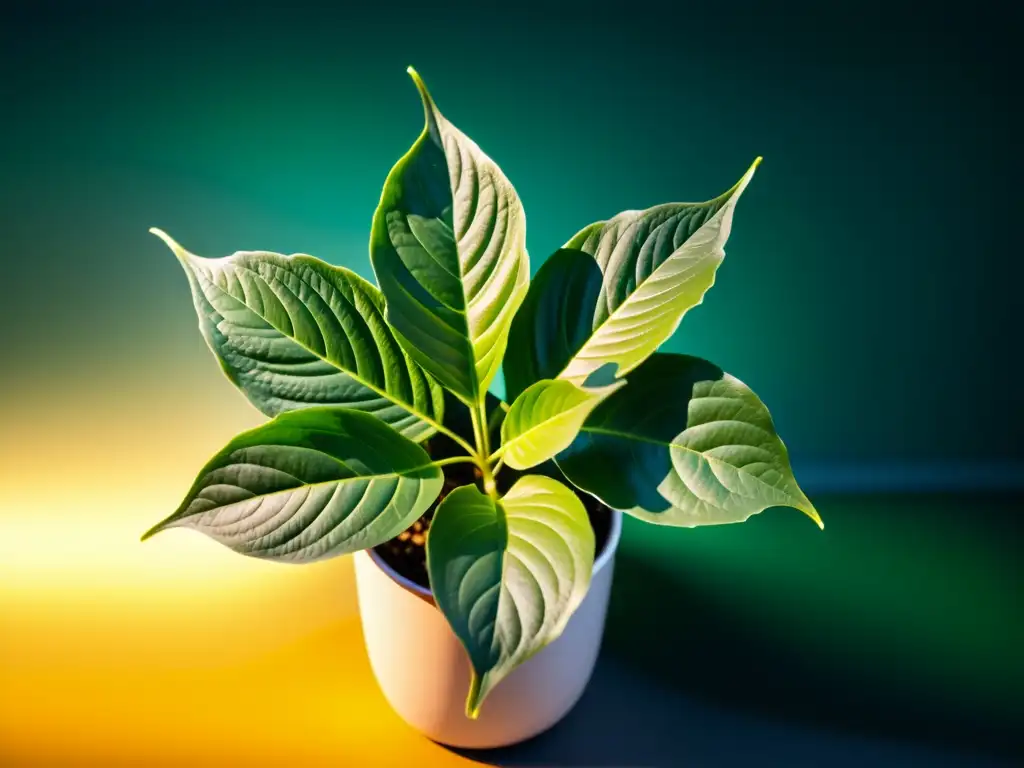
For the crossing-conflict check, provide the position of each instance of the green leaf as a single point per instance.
(293, 332)
(554, 321)
(684, 444)
(653, 267)
(508, 574)
(311, 484)
(448, 246)
(657, 265)
(545, 418)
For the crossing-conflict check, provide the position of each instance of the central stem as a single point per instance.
(483, 448)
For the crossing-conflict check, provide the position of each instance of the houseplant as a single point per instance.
(384, 439)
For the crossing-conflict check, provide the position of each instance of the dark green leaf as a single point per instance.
(555, 320)
(683, 444)
(508, 574)
(448, 246)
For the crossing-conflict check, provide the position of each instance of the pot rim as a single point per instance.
(614, 534)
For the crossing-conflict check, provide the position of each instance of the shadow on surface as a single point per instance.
(741, 667)
(626, 720)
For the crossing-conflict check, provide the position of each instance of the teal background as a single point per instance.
(869, 285)
(870, 293)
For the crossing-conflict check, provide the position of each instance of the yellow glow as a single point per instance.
(176, 651)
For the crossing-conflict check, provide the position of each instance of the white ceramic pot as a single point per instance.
(423, 670)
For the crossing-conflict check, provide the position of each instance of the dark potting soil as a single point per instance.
(407, 553)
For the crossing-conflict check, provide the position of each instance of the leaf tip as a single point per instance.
(420, 85)
(168, 522)
(474, 699)
(429, 108)
(733, 195)
(741, 185)
(812, 513)
(170, 242)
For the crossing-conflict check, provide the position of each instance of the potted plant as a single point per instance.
(484, 530)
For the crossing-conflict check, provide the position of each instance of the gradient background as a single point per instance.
(870, 296)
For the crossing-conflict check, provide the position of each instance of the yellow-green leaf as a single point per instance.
(544, 419)
(657, 265)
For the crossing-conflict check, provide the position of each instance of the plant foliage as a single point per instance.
(355, 377)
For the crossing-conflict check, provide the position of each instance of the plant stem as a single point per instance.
(478, 415)
(489, 484)
(455, 460)
(485, 437)
(476, 433)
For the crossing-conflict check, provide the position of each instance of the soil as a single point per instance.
(407, 553)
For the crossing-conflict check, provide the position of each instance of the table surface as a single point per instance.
(177, 652)
(125, 667)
